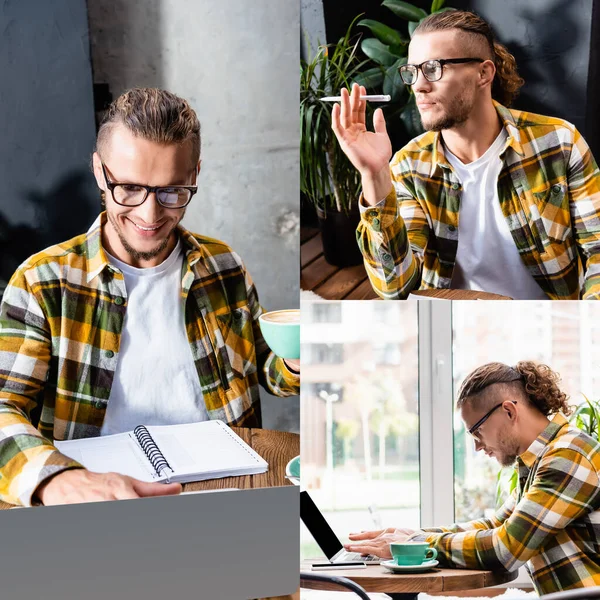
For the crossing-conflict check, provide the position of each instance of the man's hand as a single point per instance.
(369, 152)
(377, 542)
(292, 364)
(80, 485)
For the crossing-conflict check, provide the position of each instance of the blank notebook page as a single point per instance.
(206, 447)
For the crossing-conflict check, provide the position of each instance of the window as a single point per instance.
(330, 312)
(360, 438)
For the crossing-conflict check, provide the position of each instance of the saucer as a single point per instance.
(392, 566)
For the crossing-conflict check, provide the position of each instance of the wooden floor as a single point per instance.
(325, 280)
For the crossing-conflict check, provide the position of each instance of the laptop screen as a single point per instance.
(319, 528)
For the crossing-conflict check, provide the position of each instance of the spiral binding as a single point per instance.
(151, 450)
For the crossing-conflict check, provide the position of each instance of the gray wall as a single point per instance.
(237, 64)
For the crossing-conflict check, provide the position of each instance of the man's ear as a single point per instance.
(487, 71)
(197, 173)
(510, 408)
(97, 167)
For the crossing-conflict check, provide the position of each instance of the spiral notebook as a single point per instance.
(190, 452)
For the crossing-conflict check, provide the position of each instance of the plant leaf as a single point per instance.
(445, 9)
(412, 26)
(383, 33)
(371, 78)
(411, 119)
(393, 84)
(405, 10)
(436, 5)
(378, 52)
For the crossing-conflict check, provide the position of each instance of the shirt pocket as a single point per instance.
(546, 216)
(237, 342)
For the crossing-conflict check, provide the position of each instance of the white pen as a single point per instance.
(375, 98)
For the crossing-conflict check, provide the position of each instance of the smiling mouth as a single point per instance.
(142, 228)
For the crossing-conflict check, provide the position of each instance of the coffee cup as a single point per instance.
(412, 553)
(281, 330)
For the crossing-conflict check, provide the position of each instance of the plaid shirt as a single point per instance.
(552, 521)
(60, 326)
(549, 192)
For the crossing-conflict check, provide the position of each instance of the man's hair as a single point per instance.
(155, 115)
(507, 81)
(533, 382)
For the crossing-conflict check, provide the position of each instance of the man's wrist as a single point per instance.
(376, 186)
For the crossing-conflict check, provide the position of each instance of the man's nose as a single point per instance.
(150, 210)
(478, 445)
(422, 84)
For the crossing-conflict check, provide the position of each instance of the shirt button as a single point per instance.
(451, 228)
(99, 404)
(556, 189)
(386, 256)
(118, 301)
(237, 315)
(109, 354)
(373, 213)
(455, 186)
(376, 224)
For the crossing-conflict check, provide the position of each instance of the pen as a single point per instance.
(375, 98)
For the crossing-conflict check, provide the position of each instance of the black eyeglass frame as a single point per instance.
(485, 418)
(111, 185)
(441, 61)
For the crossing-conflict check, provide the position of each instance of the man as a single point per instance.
(488, 198)
(136, 322)
(552, 520)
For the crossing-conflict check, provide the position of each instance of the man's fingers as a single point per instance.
(364, 549)
(379, 122)
(364, 535)
(355, 103)
(362, 107)
(346, 111)
(156, 489)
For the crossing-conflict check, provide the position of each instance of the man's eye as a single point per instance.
(128, 187)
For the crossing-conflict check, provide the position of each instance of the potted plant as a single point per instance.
(327, 178)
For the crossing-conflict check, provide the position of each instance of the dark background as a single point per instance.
(47, 128)
(555, 44)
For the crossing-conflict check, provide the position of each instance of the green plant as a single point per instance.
(389, 50)
(327, 178)
(586, 417)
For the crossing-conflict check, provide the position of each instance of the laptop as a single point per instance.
(324, 536)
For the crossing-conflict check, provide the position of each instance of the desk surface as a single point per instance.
(352, 283)
(276, 447)
(378, 579)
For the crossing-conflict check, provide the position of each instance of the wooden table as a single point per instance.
(352, 283)
(407, 587)
(276, 447)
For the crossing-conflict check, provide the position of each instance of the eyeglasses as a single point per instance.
(134, 194)
(432, 69)
(473, 430)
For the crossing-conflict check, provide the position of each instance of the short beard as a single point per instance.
(510, 449)
(457, 114)
(138, 254)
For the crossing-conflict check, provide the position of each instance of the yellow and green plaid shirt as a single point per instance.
(552, 521)
(549, 192)
(60, 328)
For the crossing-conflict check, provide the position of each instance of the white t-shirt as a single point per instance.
(156, 381)
(487, 258)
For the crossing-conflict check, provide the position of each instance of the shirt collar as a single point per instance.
(513, 141)
(537, 447)
(96, 257)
